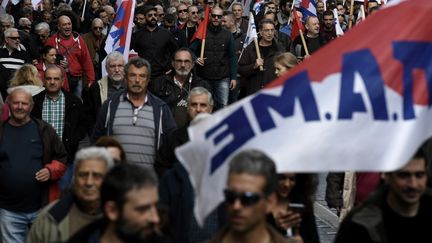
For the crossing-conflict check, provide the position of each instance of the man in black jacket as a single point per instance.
(154, 43)
(174, 87)
(64, 111)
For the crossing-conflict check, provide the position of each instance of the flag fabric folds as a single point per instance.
(251, 31)
(338, 28)
(120, 34)
(297, 26)
(306, 7)
(367, 109)
(201, 31)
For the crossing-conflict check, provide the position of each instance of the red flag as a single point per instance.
(201, 31)
(297, 26)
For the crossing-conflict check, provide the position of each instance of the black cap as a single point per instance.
(147, 8)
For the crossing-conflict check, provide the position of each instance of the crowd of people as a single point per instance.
(90, 158)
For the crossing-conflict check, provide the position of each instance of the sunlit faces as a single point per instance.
(115, 69)
(267, 32)
(216, 16)
(137, 80)
(198, 104)
(65, 26)
(50, 57)
(182, 63)
(20, 104)
(53, 81)
(408, 184)
(13, 40)
(245, 218)
(87, 180)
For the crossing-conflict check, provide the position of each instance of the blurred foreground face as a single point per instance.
(408, 184)
(139, 216)
(88, 178)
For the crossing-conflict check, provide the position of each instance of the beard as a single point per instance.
(152, 23)
(132, 233)
(182, 72)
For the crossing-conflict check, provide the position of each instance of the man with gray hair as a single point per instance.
(129, 203)
(12, 57)
(32, 160)
(37, 40)
(249, 197)
(140, 121)
(102, 89)
(94, 40)
(64, 217)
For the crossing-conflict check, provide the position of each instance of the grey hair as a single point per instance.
(106, 7)
(138, 62)
(8, 32)
(20, 89)
(257, 163)
(42, 26)
(96, 20)
(7, 18)
(23, 21)
(237, 4)
(113, 56)
(200, 91)
(94, 153)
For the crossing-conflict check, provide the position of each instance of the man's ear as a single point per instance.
(111, 211)
(271, 201)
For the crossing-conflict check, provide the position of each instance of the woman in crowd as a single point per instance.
(49, 57)
(114, 147)
(294, 214)
(284, 62)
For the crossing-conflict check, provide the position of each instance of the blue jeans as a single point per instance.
(14, 226)
(220, 91)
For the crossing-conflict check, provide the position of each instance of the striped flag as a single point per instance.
(120, 34)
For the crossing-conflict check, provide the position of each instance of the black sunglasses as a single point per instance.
(219, 16)
(182, 10)
(246, 198)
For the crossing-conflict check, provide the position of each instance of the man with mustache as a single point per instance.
(76, 56)
(60, 220)
(129, 203)
(102, 89)
(174, 87)
(399, 211)
(139, 120)
(154, 43)
(65, 112)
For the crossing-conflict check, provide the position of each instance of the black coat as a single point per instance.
(75, 121)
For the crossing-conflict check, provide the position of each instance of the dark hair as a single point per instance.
(124, 178)
(170, 18)
(266, 21)
(255, 162)
(140, 10)
(328, 12)
(46, 49)
(108, 141)
(139, 63)
(182, 49)
(304, 189)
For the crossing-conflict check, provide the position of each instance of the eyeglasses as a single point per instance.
(246, 198)
(194, 13)
(14, 38)
(182, 11)
(219, 16)
(97, 28)
(153, 14)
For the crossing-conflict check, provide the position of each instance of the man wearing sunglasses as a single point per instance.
(219, 65)
(249, 197)
(94, 40)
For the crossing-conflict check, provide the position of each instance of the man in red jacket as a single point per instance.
(76, 57)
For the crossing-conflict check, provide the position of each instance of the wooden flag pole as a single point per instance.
(202, 48)
(351, 16)
(261, 68)
(84, 8)
(303, 42)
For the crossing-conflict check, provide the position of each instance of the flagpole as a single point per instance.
(351, 15)
(202, 48)
(291, 13)
(258, 52)
(303, 42)
(85, 4)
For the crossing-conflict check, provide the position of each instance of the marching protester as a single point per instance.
(396, 212)
(60, 220)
